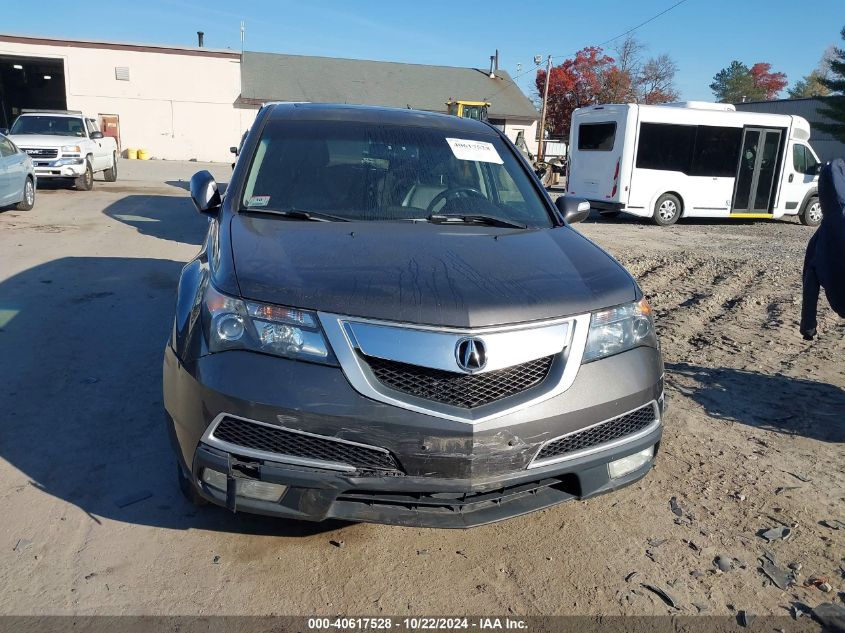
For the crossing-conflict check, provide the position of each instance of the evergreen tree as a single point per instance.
(835, 107)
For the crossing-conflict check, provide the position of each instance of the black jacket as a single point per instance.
(824, 264)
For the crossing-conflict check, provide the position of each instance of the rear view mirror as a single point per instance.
(573, 209)
(205, 193)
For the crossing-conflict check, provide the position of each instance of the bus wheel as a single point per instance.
(812, 213)
(667, 210)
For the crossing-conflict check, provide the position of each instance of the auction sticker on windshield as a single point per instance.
(482, 151)
(259, 201)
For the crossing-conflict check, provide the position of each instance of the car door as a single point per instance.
(7, 187)
(800, 174)
(99, 152)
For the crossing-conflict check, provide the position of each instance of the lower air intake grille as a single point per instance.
(284, 442)
(602, 433)
(459, 390)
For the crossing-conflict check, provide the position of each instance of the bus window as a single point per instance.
(803, 161)
(596, 136)
(716, 151)
(665, 146)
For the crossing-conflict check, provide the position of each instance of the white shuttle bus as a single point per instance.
(693, 159)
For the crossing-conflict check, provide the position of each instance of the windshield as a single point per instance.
(47, 124)
(361, 171)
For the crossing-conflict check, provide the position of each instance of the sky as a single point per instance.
(702, 36)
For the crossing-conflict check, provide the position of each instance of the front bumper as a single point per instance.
(57, 168)
(452, 474)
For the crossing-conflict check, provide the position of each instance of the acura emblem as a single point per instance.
(471, 354)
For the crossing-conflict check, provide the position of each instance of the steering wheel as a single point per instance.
(452, 193)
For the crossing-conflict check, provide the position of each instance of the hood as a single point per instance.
(425, 273)
(44, 140)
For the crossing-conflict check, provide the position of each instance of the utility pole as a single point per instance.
(541, 150)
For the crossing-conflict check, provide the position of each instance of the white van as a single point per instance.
(693, 159)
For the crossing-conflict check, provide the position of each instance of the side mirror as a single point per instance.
(204, 193)
(96, 135)
(234, 150)
(4, 131)
(573, 209)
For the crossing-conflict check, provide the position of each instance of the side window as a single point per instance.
(506, 188)
(90, 125)
(666, 147)
(803, 160)
(596, 136)
(6, 148)
(716, 151)
(799, 160)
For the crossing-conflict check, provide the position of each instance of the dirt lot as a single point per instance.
(754, 440)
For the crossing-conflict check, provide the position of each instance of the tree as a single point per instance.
(656, 80)
(738, 83)
(766, 81)
(734, 84)
(835, 108)
(809, 86)
(576, 83)
(652, 81)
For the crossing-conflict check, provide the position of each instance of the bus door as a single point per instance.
(758, 171)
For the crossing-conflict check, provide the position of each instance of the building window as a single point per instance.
(121, 73)
(596, 136)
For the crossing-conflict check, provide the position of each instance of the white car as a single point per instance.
(65, 144)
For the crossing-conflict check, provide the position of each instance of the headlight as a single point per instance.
(70, 149)
(619, 329)
(231, 323)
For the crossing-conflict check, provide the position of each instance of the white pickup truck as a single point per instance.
(65, 144)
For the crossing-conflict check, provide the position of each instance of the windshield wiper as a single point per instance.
(299, 214)
(475, 218)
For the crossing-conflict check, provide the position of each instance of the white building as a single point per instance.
(194, 103)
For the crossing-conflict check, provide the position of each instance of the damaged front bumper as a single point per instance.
(432, 472)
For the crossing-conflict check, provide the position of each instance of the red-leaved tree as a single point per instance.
(769, 83)
(591, 77)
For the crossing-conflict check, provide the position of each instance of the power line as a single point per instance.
(608, 41)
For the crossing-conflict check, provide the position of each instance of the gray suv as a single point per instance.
(390, 321)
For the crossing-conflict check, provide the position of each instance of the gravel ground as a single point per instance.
(93, 522)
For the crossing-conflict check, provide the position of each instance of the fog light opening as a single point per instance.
(253, 489)
(214, 478)
(260, 490)
(621, 467)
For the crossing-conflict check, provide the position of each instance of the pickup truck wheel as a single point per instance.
(28, 200)
(111, 174)
(85, 182)
(187, 487)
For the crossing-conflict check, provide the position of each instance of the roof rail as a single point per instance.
(40, 111)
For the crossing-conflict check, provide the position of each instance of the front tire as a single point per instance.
(85, 182)
(110, 174)
(811, 214)
(667, 210)
(28, 200)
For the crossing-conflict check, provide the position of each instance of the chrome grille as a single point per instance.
(261, 437)
(608, 431)
(37, 152)
(460, 390)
